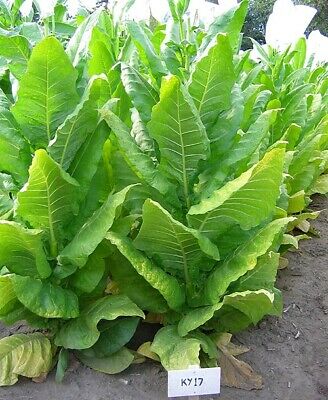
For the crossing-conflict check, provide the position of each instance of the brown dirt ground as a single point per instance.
(291, 352)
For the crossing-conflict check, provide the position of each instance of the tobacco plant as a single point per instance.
(149, 172)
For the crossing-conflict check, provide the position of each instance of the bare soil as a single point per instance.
(291, 353)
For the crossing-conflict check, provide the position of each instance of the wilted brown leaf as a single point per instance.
(238, 374)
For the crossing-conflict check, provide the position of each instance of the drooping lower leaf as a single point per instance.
(82, 332)
(242, 260)
(27, 355)
(112, 364)
(44, 298)
(174, 351)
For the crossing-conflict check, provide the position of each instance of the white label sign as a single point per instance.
(194, 382)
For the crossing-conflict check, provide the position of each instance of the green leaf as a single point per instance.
(7, 187)
(8, 297)
(82, 332)
(180, 134)
(114, 336)
(62, 365)
(146, 48)
(87, 278)
(16, 50)
(181, 251)
(142, 94)
(102, 59)
(246, 201)
(79, 125)
(174, 351)
(113, 364)
(321, 185)
(48, 199)
(21, 250)
(230, 22)
(196, 318)
(15, 152)
(88, 159)
(244, 259)
(27, 355)
(212, 80)
(140, 163)
(46, 92)
(93, 231)
(134, 286)
(44, 298)
(245, 308)
(166, 284)
(263, 276)
(78, 45)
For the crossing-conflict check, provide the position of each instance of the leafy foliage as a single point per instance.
(147, 171)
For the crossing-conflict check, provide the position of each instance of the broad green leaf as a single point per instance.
(87, 278)
(79, 125)
(245, 308)
(247, 201)
(141, 164)
(28, 355)
(112, 364)
(230, 22)
(180, 134)
(321, 185)
(8, 297)
(142, 94)
(180, 250)
(237, 158)
(48, 199)
(102, 59)
(146, 48)
(82, 332)
(44, 298)
(21, 250)
(46, 92)
(93, 231)
(196, 318)
(78, 45)
(114, 335)
(244, 259)
(254, 304)
(16, 50)
(263, 276)
(174, 351)
(15, 153)
(166, 284)
(7, 187)
(133, 285)
(212, 80)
